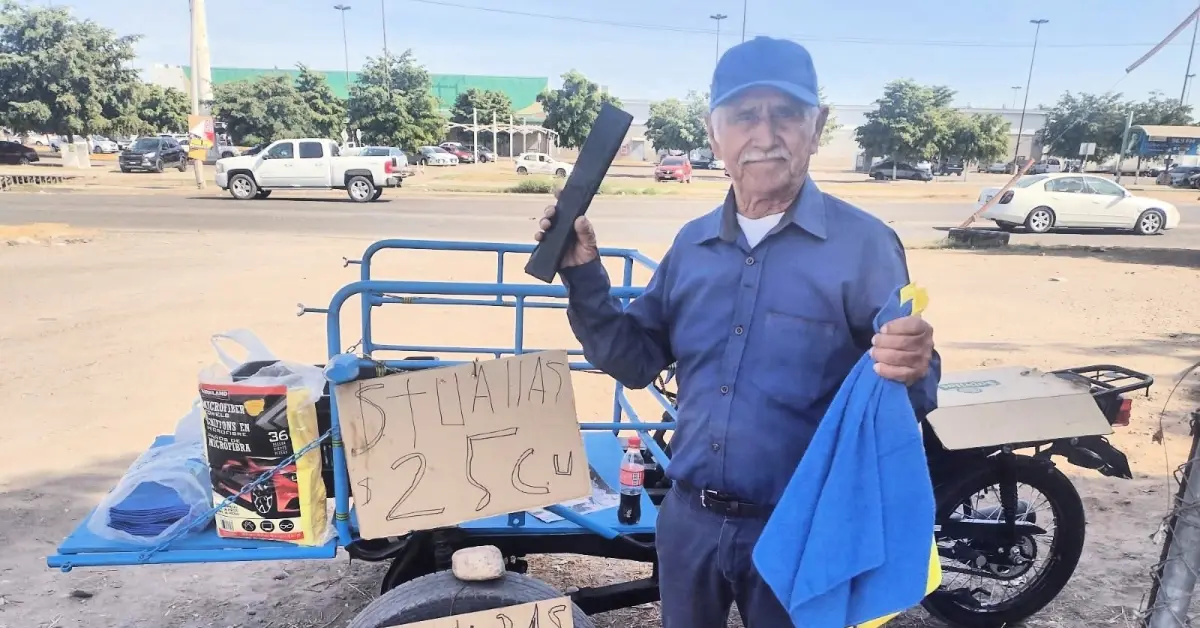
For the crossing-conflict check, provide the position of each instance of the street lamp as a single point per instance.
(744, 20)
(345, 45)
(386, 60)
(1015, 88)
(718, 17)
(1021, 127)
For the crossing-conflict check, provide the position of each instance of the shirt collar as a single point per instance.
(807, 212)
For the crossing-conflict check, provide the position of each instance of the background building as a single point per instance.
(843, 152)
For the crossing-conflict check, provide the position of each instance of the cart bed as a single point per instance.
(82, 548)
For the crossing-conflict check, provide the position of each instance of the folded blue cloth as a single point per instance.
(849, 540)
(148, 510)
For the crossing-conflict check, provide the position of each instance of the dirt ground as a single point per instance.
(102, 338)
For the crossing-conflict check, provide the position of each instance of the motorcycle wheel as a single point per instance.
(960, 608)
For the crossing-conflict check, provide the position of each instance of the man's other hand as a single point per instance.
(903, 349)
(584, 250)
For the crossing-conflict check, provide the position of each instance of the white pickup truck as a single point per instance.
(306, 164)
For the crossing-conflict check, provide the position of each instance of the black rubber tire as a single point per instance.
(250, 180)
(158, 166)
(440, 594)
(377, 194)
(126, 170)
(360, 182)
(522, 171)
(183, 165)
(423, 162)
(1007, 226)
(1070, 525)
(1029, 220)
(1140, 228)
(22, 160)
(262, 194)
(561, 173)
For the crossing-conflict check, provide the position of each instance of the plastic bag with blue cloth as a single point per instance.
(850, 543)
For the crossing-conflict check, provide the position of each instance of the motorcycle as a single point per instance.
(985, 529)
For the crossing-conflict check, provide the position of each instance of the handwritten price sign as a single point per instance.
(554, 613)
(439, 447)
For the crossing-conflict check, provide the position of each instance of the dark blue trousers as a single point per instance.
(705, 566)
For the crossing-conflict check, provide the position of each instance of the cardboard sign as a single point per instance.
(1012, 404)
(438, 447)
(554, 613)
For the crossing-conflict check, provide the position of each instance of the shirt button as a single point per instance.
(724, 390)
(738, 330)
(749, 261)
(716, 446)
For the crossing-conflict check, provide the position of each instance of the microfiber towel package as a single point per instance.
(849, 543)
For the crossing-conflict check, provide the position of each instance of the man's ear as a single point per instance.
(819, 127)
(712, 139)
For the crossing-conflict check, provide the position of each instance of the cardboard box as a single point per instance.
(1014, 404)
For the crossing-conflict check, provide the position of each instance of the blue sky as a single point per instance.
(663, 48)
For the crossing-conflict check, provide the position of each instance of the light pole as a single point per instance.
(1187, 87)
(342, 8)
(345, 42)
(1021, 126)
(718, 17)
(1015, 88)
(386, 60)
(1188, 72)
(744, 20)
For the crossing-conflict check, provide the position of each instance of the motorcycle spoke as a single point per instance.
(993, 585)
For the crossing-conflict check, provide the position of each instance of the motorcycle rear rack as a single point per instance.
(1108, 380)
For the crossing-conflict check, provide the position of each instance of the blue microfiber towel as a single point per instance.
(849, 540)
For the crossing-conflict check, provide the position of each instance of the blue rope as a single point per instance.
(206, 517)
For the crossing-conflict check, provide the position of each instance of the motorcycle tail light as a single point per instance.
(1124, 412)
(1006, 198)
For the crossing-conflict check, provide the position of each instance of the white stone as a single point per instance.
(477, 564)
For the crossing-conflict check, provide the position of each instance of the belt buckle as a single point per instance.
(704, 497)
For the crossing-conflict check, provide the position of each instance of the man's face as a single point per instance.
(766, 139)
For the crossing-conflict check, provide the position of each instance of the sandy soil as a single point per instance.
(101, 342)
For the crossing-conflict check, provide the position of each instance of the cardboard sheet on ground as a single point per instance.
(439, 447)
(555, 613)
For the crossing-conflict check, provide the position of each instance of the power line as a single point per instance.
(802, 38)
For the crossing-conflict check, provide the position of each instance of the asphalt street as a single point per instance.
(619, 221)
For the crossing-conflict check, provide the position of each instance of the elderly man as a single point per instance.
(764, 305)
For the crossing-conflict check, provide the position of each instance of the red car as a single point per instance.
(674, 169)
(281, 494)
(458, 150)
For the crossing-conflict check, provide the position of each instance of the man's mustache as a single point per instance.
(754, 154)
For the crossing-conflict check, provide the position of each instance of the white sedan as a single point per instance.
(541, 163)
(1047, 201)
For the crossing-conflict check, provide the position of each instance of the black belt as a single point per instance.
(723, 504)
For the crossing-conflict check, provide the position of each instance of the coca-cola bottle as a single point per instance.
(633, 469)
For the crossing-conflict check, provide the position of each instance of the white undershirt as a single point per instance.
(757, 228)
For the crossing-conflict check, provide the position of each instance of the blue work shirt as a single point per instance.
(761, 337)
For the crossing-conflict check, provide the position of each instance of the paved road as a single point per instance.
(506, 218)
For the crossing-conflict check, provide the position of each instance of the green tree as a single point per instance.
(59, 74)
(910, 121)
(974, 138)
(572, 109)
(489, 105)
(262, 110)
(392, 104)
(485, 102)
(327, 110)
(148, 109)
(831, 123)
(1078, 119)
(676, 124)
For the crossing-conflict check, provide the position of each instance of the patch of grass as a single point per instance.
(532, 185)
(546, 185)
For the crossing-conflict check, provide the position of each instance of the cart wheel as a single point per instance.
(441, 595)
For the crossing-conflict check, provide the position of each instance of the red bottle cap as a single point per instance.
(634, 443)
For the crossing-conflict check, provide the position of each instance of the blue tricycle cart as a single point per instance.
(416, 587)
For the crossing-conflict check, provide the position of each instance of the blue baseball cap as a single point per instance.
(764, 61)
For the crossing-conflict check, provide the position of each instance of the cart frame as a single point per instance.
(516, 534)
